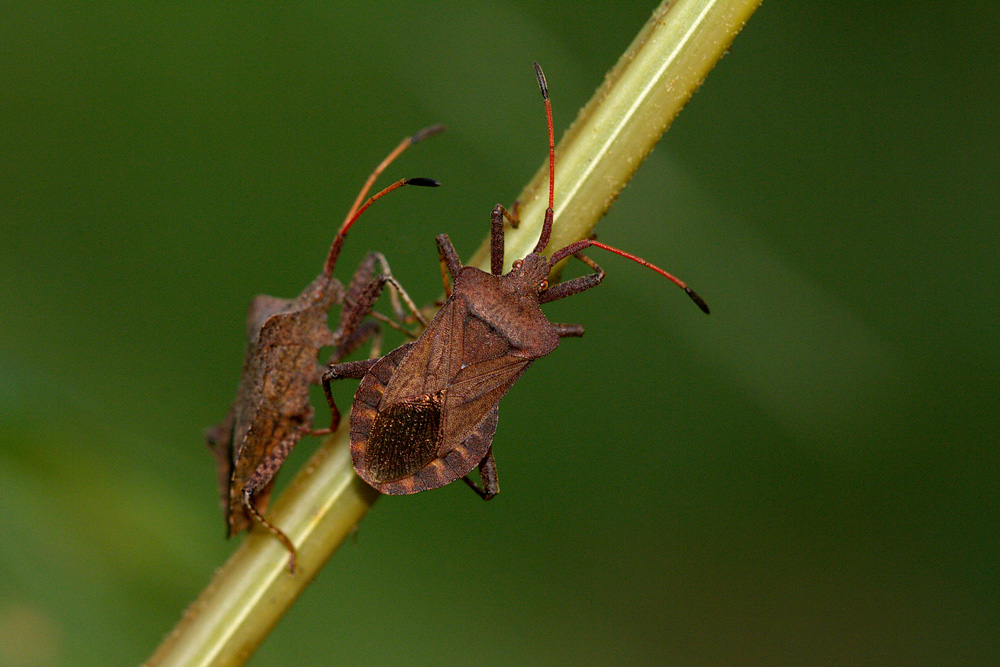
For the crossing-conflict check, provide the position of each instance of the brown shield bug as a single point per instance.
(424, 415)
(272, 410)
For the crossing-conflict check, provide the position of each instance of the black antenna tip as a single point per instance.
(697, 299)
(423, 182)
(544, 87)
(427, 132)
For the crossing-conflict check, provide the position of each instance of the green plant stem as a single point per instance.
(613, 133)
(611, 136)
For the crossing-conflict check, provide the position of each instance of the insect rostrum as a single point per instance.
(425, 414)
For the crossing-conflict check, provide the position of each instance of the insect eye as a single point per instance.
(542, 286)
(517, 264)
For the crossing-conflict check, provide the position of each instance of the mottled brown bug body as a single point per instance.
(425, 414)
(442, 392)
(272, 410)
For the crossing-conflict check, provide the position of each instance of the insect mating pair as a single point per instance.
(424, 415)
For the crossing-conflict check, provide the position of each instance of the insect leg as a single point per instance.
(362, 293)
(514, 216)
(349, 369)
(449, 260)
(394, 291)
(569, 330)
(497, 217)
(496, 240)
(354, 310)
(260, 478)
(367, 331)
(220, 443)
(488, 476)
(575, 285)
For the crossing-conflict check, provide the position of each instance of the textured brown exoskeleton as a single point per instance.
(424, 415)
(272, 410)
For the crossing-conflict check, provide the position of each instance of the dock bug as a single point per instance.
(272, 410)
(425, 414)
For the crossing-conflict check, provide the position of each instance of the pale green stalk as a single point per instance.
(611, 136)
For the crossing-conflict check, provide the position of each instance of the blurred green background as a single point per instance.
(807, 476)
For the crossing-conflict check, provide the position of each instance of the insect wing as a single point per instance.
(462, 359)
(476, 389)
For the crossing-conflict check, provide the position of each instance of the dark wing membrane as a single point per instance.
(404, 438)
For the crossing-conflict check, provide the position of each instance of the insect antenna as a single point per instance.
(574, 248)
(543, 240)
(360, 204)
